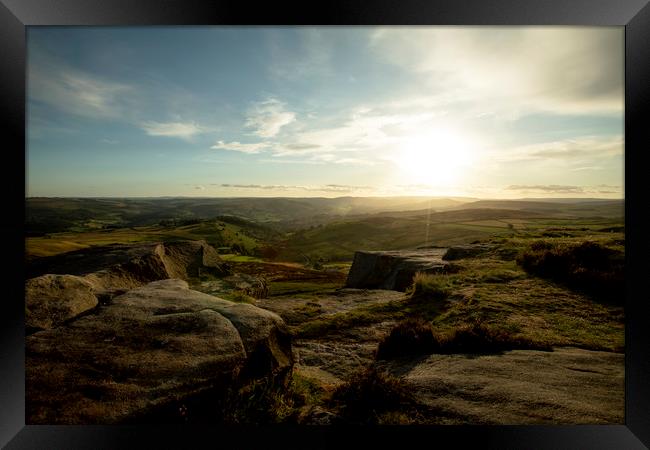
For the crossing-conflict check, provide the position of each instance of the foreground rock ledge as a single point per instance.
(152, 348)
(393, 270)
(79, 280)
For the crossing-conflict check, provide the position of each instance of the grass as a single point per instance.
(431, 286)
(364, 315)
(280, 288)
(239, 297)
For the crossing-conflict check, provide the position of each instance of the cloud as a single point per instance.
(551, 188)
(336, 188)
(182, 130)
(235, 146)
(555, 69)
(363, 130)
(586, 148)
(562, 189)
(268, 117)
(77, 92)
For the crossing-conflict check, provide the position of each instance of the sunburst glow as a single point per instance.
(437, 157)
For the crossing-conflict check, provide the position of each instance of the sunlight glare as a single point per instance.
(435, 158)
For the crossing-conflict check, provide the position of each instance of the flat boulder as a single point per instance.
(51, 300)
(393, 270)
(160, 352)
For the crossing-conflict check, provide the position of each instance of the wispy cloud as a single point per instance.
(235, 146)
(551, 188)
(564, 189)
(184, 130)
(335, 188)
(267, 117)
(77, 92)
(586, 147)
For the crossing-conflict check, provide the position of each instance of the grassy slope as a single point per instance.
(339, 240)
(216, 233)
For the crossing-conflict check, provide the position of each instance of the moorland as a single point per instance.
(523, 323)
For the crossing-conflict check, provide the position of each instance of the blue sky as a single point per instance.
(325, 111)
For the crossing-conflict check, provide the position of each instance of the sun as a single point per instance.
(434, 158)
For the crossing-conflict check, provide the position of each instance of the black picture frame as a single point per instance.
(16, 15)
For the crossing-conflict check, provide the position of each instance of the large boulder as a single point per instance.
(161, 352)
(50, 300)
(393, 270)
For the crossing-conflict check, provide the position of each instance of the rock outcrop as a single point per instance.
(393, 270)
(152, 352)
(100, 273)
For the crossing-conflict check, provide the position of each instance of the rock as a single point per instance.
(565, 386)
(466, 251)
(108, 271)
(50, 300)
(239, 282)
(142, 262)
(151, 352)
(393, 270)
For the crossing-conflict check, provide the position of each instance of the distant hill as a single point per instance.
(48, 215)
(558, 208)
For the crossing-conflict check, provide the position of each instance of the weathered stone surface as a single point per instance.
(565, 386)
(153, 347)
(50, 300)
(466, 251)
(393, 269)
(144, 262)
(107, 271)
(256, 287)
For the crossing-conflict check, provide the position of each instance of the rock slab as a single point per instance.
(393, 270)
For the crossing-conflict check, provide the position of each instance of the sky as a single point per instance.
(223, 111)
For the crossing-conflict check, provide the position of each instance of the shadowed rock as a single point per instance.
(52, 299)
(150, 350)
(393, 270)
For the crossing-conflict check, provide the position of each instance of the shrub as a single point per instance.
(369, 394)
(588, 266)
(417, 337)
(478, 337)
(411, 336)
